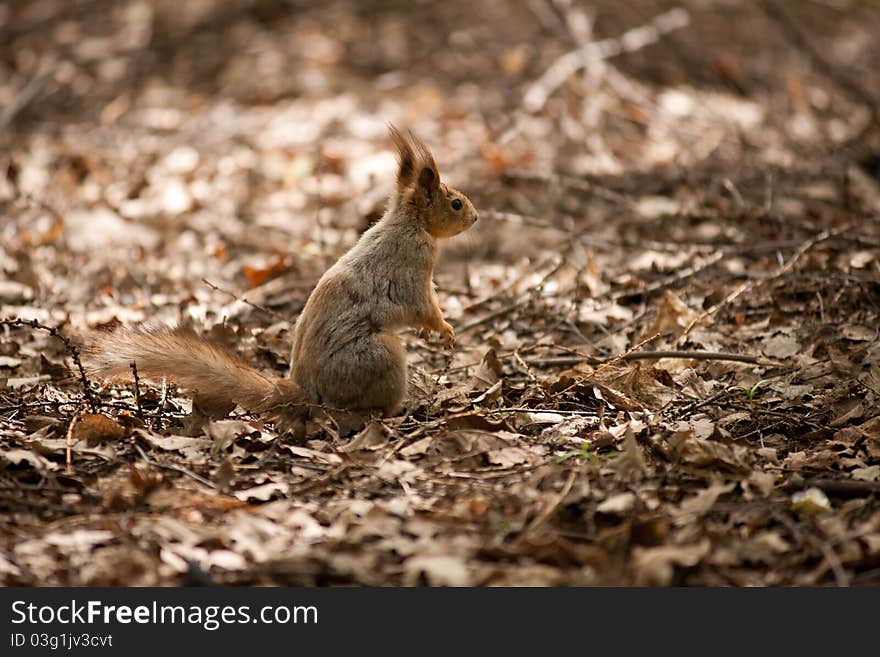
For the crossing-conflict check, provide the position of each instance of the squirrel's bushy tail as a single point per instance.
(216, 376)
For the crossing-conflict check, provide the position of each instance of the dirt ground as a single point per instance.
(667, 365)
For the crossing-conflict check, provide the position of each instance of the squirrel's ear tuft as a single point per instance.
(406, 159)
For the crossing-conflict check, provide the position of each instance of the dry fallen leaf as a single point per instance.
(701, 503)
(93, 428)
(372, 437)
(437, 570)
(19, 456)
(262, 493)
(810, 501)
(617, 504)
(655, 566)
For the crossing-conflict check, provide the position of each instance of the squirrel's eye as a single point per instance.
(456, 204)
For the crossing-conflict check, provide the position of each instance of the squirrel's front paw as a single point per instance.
(448, 335)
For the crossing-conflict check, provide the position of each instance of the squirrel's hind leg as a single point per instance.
(366, 374)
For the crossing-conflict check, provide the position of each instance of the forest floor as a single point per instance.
(667, 366)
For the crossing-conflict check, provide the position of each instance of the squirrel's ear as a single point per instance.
(406, 159)
(428, 183)
(429, 176)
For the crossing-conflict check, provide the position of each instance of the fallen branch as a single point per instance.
(25, 97)
(630, 41)
(137, 390)
(796, 36)
(776, 273)
(552, 178)
(501, 291)
(68, 452)
(655, 355)
(840, 487)
(628, 353)
(581, 236)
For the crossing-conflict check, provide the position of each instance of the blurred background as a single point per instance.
(145, 122)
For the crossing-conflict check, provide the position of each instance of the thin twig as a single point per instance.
(840, 576)
(69, 441)
(542, 517)
(796, 36)
(237, 297)
(176, 468)
(72, 349)
(776, 273)
(668, 281)
(595, 242)
(526, 409)
(630, 41)
(57, 405)
(627, 353)
(322, 480)
(24, 98)
(692, 406)
(525, 366)
(572, 182)
(843, 487)
(510, 285)
(529, 295)
(652, 355)
(137, 390)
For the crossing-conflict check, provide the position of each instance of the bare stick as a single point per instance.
(507, 287)
(833, 561)
(236, 297)
(525, 366)
(31, 90)
(526, 220)
(57, 405)
(176, 468)
(572, 182)
(843, 487)
(796, 36)
(530, 294)
(776, 273)
(137, 390)
(526, 409)
(72, 349)
(542, 517)
(655, 355)
(628, 352)
(69, 441)
(570, 63)
(677, 277)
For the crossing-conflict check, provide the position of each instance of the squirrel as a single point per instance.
(346, 354)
